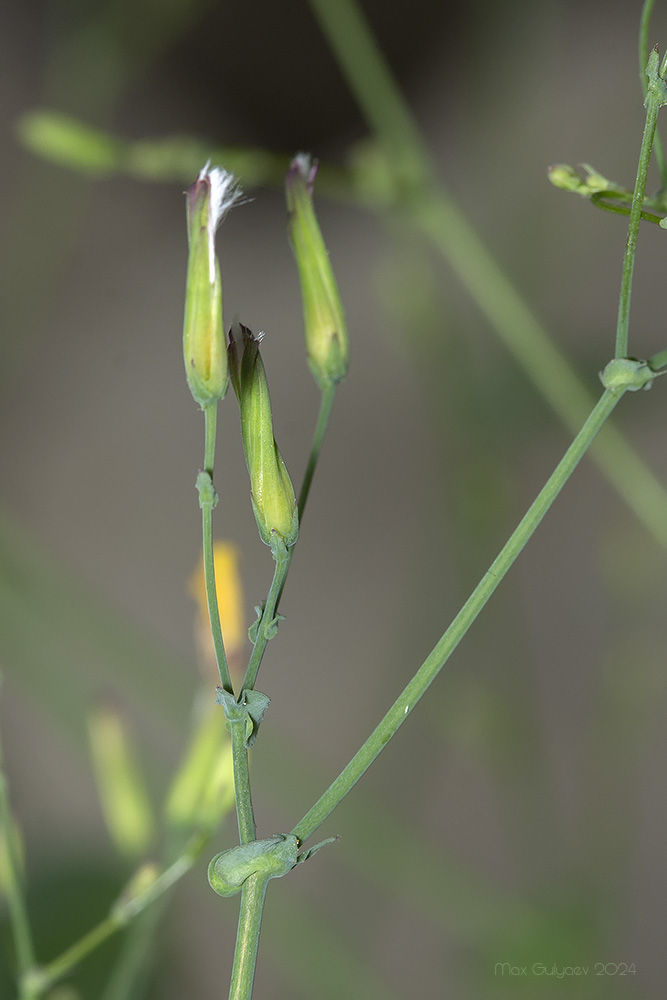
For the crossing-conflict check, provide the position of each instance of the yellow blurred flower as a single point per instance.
(230, 606)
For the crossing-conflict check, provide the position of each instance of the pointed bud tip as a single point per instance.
(219, 188)
(303, 168)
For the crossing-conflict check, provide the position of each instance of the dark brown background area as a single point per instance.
(534, 760)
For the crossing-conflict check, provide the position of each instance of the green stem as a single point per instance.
(458, 628)
(326, 403)
(253, 895)
(266, 625)
(443, 223)
(371, 82)
(210, 419)
(16, 903)
(244, 812)
(38, 980)
(644, 22)
(623, 209)
(210, 430)
(652, 108)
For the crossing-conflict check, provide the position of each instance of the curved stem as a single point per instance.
(253, 895)
(436, 659)
(210, 420)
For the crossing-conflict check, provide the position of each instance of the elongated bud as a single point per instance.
(326, 333)
(208, 201)
(273, 499)
(125, 802)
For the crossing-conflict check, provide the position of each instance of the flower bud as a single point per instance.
(326, 333)
(208, 201)
(565, 177)
(123, 796)
(272, 493)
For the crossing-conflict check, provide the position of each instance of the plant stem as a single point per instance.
(244, 812)
(372, 84)
(283, 560)
(267, 622)
(326, 403)
(652, 108)
(644, 22)
(210, 419)
(253, 895)
(461, 623)
(37, 980)
(16, 903)
(440, 219)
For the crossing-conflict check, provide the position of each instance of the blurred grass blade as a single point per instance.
(63, 647)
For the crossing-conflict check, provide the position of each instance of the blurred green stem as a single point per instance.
(13, 887)
(436, 659)
(38, 979)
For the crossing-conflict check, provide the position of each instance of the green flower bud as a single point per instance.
(272, 858)
(272, 493)
(326, 333)
(565, 177)
(125, 802)
(208, 201)
(628, 373)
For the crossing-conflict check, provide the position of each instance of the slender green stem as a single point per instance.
(644, 22)
(210, 419)
(38, 980)
(623, 209)
(210, 430)
(652, 108)
(244, 812)
(266, 626)
(254, 890)
(253, 895)
(466, 616)
(370, 79)
(16, 903)
(326, 403)
(443, 223)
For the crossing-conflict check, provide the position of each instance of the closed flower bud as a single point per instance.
(326, 333)
(273, 499)
(208, 201)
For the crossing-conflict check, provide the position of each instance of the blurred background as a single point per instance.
(516, 817)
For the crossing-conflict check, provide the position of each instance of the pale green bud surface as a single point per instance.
(208, 201)
(326, 332)
(271, 858)
(565, 177)
(272, 493)
(627, 373)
